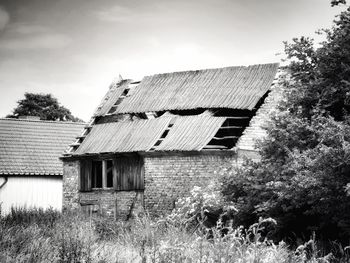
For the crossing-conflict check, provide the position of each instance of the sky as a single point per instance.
(74, 49)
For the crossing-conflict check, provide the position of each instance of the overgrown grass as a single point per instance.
(48, 236)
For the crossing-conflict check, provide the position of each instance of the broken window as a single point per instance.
(96, 174)
(121, 173)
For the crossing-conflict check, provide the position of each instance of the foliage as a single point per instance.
(45, 106)
(74, 238)
(304, 171)
(203, 206)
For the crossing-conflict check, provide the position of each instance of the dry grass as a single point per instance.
(38, 236)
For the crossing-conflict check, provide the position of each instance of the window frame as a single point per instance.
(126, 174)
(104, 175)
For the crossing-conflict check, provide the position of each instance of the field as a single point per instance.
(48, 236)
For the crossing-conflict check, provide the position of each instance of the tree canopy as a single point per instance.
(44, 106)
(304, 171)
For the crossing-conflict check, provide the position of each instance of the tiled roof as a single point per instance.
(231, 87)
(33, 147)
(190, 133)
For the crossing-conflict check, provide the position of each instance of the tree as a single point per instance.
(304, 171)
(45, 106)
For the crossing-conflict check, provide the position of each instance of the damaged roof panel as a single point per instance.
(231, 87)
(114, 92)
(129, 136)
(191, 133)
(188, 133)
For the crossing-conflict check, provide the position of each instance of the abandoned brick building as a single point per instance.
(151, 141)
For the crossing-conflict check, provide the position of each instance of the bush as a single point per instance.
(203, 207)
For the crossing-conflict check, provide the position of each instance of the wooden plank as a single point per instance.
(115, 174)
(231, 127)
(225, 137)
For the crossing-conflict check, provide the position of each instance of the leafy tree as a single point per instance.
(304, 172)
(45, 106)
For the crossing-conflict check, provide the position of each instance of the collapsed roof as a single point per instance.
(180, 111)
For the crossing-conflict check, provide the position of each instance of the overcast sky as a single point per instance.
(75, 48)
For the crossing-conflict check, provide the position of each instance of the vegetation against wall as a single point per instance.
(304, 172)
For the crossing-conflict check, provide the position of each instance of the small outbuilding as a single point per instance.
(151, 141)
(30, 168)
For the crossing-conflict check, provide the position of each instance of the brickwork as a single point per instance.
(170, 177)
(110, 203)
(255, 131)
(71, 170)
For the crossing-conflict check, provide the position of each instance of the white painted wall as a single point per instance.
(28, 191)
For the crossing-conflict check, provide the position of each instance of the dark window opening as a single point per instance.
(187, 112)
(96, 174)
(109, 172)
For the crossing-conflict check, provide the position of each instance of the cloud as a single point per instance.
(4, 18)
(48, 41)
(115, 14)
(27, 29)
(24, 36)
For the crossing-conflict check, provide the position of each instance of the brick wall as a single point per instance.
(168, 177)
(255, 131)
(70, 184)
(172, 176)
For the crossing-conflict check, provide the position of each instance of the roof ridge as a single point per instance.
(217, 68)
(43, 121)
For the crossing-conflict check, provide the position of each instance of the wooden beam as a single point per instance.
(104, 174)
(215, 147)
(238, 118)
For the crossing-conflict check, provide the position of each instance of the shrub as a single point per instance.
(203, 207)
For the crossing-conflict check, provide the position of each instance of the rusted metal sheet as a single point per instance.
(29, 147)
(128, 136)
(191, 133)
(230, 87)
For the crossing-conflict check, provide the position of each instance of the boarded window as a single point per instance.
(85, 175)
(129, 173)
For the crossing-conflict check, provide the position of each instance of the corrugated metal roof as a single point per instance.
(191, 133)
(114, 92)
(230, 87)
(128, 136)
(34, 147)
(188, 133)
